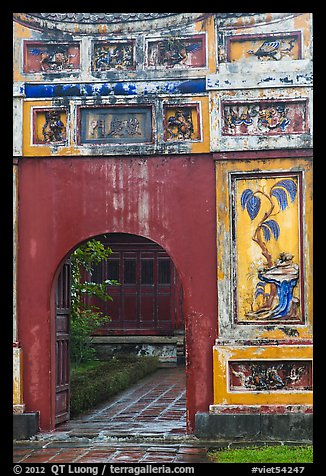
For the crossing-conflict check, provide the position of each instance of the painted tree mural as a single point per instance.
(280, 275)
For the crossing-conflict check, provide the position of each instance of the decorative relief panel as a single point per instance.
(273, 47)
(51, 57)
(186, 52)
(267, 239)
(283, 375)
(264, 117)
(181, 123)
(125, 124)
(49, 126)
(113, 56)
(262, 374)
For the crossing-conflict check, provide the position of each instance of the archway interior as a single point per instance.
(146, 309)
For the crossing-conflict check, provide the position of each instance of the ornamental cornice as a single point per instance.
(106, 23)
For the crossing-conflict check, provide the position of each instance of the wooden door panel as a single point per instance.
(62, 320)
(145, 302)
(164, 308)
(147, 309)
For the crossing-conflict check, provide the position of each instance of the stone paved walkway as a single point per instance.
(155, 406)
(112, 453)
(144, 424)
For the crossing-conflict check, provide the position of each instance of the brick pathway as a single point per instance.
(144, 424)
(155, 406)
(112, 453)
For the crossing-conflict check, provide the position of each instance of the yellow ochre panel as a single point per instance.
(271, 359)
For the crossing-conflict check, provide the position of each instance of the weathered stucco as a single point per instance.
(221, 115)
(101, 199)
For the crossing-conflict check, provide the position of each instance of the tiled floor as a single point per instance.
(112, 453)
(145, 424)
(155, 406)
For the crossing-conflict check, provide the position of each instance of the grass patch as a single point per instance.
(95, 382)
(265, 454)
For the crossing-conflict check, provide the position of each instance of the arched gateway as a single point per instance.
(192, 131)
(146, 302)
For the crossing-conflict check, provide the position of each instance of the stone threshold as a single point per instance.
(185, 440)
(137, 339)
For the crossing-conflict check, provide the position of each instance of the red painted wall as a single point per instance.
(170, 200)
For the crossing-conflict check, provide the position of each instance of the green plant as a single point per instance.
(86, 316)
(266, 454)
(94, 382)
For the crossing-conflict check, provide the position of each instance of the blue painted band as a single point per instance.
(191, 86)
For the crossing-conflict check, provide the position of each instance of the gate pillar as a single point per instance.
(263, 385)
(18, 406)
(24, 424)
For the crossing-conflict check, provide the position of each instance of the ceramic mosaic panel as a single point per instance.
(266, 238)
(181, 123)
(116, 125)
(264, 117)
(176, 52)
(113, 55)
(273, 47)
(282, 375)
(49, 126)
(51, 57)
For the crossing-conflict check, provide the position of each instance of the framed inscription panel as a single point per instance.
(115, 125)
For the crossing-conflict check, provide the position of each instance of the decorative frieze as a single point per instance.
(113, 55)
(49, 125)
(172, 52)
(264, 47)
(122, 125)
(283, 375)
(262, 376)
(51, 57)
(181, 123)
(268, 117)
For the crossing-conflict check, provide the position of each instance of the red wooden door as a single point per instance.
(145, 302)
(62, 378)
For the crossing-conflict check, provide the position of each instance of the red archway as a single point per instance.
(169, 200)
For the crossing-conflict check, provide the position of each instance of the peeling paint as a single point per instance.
(17, 376)
(192, 86)
(120, 177)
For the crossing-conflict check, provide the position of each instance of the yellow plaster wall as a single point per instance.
(30, 149)
(17, 376)
(208, 25)
(223, 203)
(204, 145)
